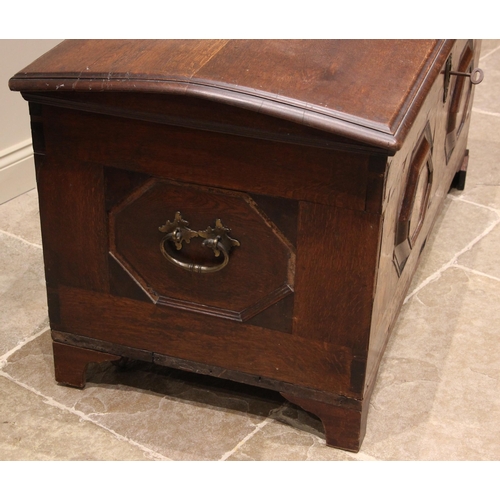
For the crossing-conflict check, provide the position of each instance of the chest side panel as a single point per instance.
(419, 178)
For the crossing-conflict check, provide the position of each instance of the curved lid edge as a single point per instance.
(279, 106)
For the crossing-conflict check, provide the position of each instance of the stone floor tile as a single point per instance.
(487, 46)
(489, 196)
(181, 416)
(456, 227)
(484, 256)
(487, 92)
(21, 217)
(482, 184)
(437, 394)
(451, 442)
(23, 305)
(31, 429)
(483, 126)
(484, 152)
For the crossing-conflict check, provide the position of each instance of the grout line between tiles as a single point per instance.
(464, 200)
(484, 56)
(474, 271)
(452, 262)
(363, 457)
(6, 233)
(484, 112)
(52, 402)
(4, 357)
(245, 439)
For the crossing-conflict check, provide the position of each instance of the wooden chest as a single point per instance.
(252, 210)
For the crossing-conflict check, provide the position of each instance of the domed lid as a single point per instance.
(363, 89)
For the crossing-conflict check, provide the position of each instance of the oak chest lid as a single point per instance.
(367, 90)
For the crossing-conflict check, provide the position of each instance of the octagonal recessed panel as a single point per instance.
(259, 271)
(415, 201)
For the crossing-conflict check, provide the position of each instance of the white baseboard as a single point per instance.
(17, 170)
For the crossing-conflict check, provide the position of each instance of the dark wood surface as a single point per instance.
(260, 270)
(326, 167)
(210, 159)
(71, 362)
(216, 341)
(344, 427)
(373, 96)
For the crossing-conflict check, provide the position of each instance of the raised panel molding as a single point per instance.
(251, 283)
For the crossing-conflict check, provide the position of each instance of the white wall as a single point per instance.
(17, 171)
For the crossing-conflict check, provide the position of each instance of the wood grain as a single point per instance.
(259, 266)
(337, 255)
(210, 159)
(370, 97)
(344, 427)
(71, 363)
(74, 235)
(391, 288)
(247, 348)
(307, 152)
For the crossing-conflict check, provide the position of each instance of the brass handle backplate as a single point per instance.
(178, 232)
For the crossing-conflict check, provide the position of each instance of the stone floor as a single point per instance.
(437, 396)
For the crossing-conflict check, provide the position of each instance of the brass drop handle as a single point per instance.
(216, 238)
(476, 75)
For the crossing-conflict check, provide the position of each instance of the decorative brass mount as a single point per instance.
(216, 238)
